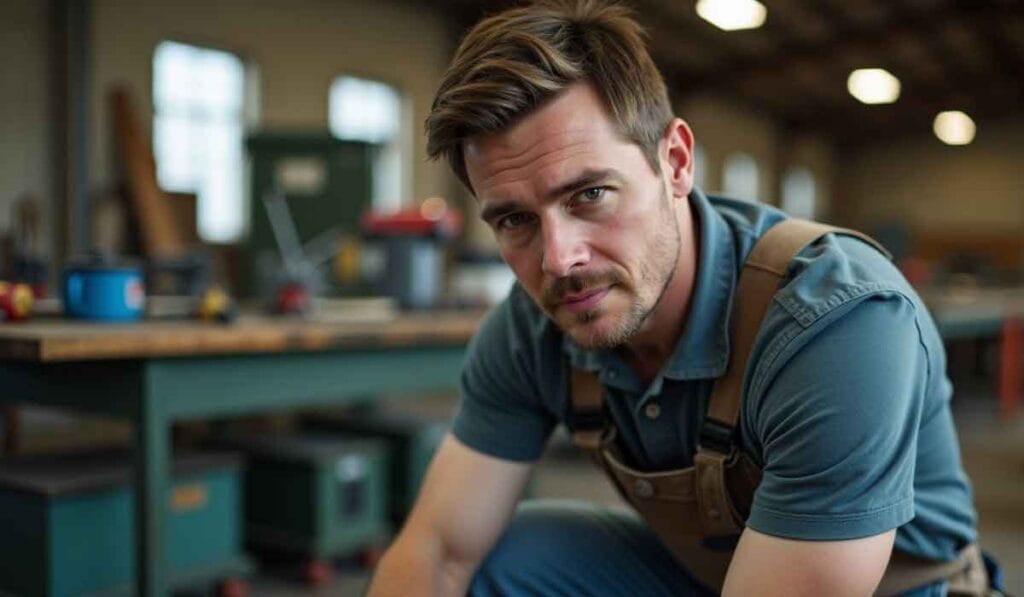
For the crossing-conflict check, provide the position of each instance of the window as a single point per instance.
(372, 111)
(699, 166)
(740, 177)
(198, 125)
(799, 193)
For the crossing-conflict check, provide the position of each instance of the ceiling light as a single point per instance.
(954, 128)
(732, 15)
(873, 86)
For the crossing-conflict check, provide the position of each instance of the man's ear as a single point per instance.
(677, 157)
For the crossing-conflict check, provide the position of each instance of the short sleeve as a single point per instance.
(501, 413)
(837, 426)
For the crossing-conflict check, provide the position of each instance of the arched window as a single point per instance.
(198, 125)
(740, 177)
(372, 111)
(799, 193)
(699, 166)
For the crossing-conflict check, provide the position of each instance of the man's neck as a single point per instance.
(647, 352)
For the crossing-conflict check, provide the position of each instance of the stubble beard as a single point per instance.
(655, 273)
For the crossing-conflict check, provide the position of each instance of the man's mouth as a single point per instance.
(578, 302)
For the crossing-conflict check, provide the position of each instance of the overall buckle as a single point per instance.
(717, 437)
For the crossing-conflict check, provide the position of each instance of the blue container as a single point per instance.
(69, 525)
(104, 292)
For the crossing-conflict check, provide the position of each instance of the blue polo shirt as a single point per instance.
(845, 399)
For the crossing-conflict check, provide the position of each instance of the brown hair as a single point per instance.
(510, 63)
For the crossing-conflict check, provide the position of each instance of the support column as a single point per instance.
(72, 81)
(152, 483)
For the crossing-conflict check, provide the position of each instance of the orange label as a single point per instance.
(189, 497)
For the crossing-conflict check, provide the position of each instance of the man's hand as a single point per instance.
(465, 503)
(765, 565)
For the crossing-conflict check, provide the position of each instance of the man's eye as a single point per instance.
(512, 221)
(592, 194)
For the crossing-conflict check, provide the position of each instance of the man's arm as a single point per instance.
(766, 565)
(465, 503)
(838, 427)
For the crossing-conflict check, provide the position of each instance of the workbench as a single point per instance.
(159, 373)
(986, 313)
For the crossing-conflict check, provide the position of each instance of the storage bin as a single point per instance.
(69, 524)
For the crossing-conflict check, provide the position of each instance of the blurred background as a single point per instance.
(268, 156)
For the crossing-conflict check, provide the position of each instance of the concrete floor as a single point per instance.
(993, 453)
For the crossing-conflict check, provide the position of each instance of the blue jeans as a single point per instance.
(995, 581)
(571, 548)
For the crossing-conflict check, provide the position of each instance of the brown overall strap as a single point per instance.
(765, 269)
(586, 411)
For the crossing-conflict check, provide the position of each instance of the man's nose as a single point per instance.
(565, 248)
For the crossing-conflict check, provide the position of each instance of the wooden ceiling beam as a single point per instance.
(912, 116)
(921, 99)
(849, 37)
(1006, 58)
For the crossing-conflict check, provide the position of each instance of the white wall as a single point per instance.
(930, 185)
(723, 127)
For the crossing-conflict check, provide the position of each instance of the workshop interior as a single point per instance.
(226, 261)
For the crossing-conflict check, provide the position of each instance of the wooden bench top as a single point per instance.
(55, 340)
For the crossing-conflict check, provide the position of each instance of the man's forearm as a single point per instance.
(408, 568)
(466, 500)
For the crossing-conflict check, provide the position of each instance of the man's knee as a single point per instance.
(540, 534)
(562, 547)
(555, 547)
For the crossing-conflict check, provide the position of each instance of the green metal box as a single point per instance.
(69, 527)
(412, 441)
(315, 495)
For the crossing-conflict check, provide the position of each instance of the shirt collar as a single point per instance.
(703, 349)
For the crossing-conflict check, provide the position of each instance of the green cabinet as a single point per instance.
(327, 183)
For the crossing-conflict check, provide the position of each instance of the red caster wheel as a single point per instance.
(318, 573)
(233, 587)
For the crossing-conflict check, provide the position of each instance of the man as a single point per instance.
(556, 119)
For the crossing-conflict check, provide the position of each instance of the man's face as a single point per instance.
(591, 232)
